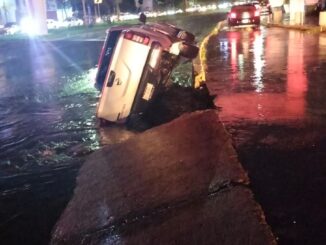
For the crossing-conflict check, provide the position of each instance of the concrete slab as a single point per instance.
(179, 183)
(229, 217)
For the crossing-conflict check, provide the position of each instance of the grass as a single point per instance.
(198, 23)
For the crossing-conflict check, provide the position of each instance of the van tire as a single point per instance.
(137, 122)
(189, 51)
(102, 122)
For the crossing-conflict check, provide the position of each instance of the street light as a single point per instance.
(98, 2)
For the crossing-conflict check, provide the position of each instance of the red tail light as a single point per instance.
(257, 14)
(129, 35)
(137, 38)
(233, 15)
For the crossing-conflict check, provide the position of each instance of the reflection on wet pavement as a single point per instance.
(47, 127)
(44, 95)
(263, 75)
(270, 85)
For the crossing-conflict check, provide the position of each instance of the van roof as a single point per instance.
(154, 36)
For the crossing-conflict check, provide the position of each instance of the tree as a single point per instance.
(4, 10)
(84, 10)
(117, 7)
(63, 5)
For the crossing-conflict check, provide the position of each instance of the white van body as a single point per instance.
(134, 62)
(125, 82)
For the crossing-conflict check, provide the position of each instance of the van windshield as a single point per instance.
(108, 49)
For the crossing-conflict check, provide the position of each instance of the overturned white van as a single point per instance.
(135, 61)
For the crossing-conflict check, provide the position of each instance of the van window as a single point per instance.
(108, 50)
(155, 55)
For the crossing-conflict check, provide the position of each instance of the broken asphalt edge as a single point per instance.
(199, 68)
(223, 183)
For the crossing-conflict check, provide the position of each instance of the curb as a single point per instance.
(200, 63)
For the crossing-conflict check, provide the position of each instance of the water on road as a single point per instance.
(44, 94)
(47, 126)
(271, 74)
(271, 88)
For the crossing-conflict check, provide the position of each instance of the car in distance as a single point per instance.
(72, 21)
(264, 7)
(52, 24)
(244, 15)
(10, 28)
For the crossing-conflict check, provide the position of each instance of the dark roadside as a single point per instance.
(285, 164)
(286, 167)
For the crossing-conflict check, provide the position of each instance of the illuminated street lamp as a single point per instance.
(98, 2)
(34, 21)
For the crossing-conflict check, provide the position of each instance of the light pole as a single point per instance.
(98, 2)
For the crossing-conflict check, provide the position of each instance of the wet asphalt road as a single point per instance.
(45, 93)
(270, 86)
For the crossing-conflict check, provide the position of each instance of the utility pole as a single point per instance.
(97, 4)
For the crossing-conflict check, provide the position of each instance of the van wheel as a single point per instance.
(102, 122)
(189, 51)
(136, 122)
(186, 36)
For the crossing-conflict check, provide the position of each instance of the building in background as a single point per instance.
(15, 10)
(51, 7)
(144, 5)
(7, 11)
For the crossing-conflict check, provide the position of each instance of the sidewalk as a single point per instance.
(311, 24)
